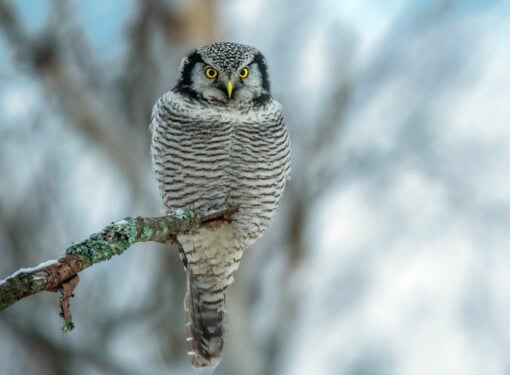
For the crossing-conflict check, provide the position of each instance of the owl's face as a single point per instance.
(224, 72)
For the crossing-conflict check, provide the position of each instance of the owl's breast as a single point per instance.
(191, 158)
(258, 169)
(209, 158)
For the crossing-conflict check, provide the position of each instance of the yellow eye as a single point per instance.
(211, 73)
(243, 73)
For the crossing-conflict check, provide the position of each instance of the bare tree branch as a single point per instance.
(60, 274)
(72, 39)
(87, 113)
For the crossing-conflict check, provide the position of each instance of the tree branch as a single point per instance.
(61, 274)
(44, 55)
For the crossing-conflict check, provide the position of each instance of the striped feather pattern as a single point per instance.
(206, 156)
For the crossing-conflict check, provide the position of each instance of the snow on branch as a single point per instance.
(62, 274)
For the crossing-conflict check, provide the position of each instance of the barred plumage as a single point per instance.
(209, 150)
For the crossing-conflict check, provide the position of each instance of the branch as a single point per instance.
(43, 55)
(61, 274)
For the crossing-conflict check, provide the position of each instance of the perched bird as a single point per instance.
(219, 139)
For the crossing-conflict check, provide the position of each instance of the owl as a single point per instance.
(219, 139)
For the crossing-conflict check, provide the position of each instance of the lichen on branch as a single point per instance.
(119, 236)
(59, 274)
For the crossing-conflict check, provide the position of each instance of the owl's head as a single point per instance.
(224, 72)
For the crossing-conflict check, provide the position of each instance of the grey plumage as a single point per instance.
(210, 149)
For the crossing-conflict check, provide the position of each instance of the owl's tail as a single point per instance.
(205, 304)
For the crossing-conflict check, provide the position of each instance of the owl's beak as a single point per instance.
(229, 88)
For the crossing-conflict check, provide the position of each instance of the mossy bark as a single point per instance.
(119, 236)
(113, 240)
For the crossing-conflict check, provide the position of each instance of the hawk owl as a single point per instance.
(219, 139)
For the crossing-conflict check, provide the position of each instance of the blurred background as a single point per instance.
(389, 254)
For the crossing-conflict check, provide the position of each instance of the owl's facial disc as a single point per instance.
(224, 72)
(235, 85)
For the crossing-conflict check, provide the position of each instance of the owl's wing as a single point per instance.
(287, 161)
(153, 116)
(157, 111)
